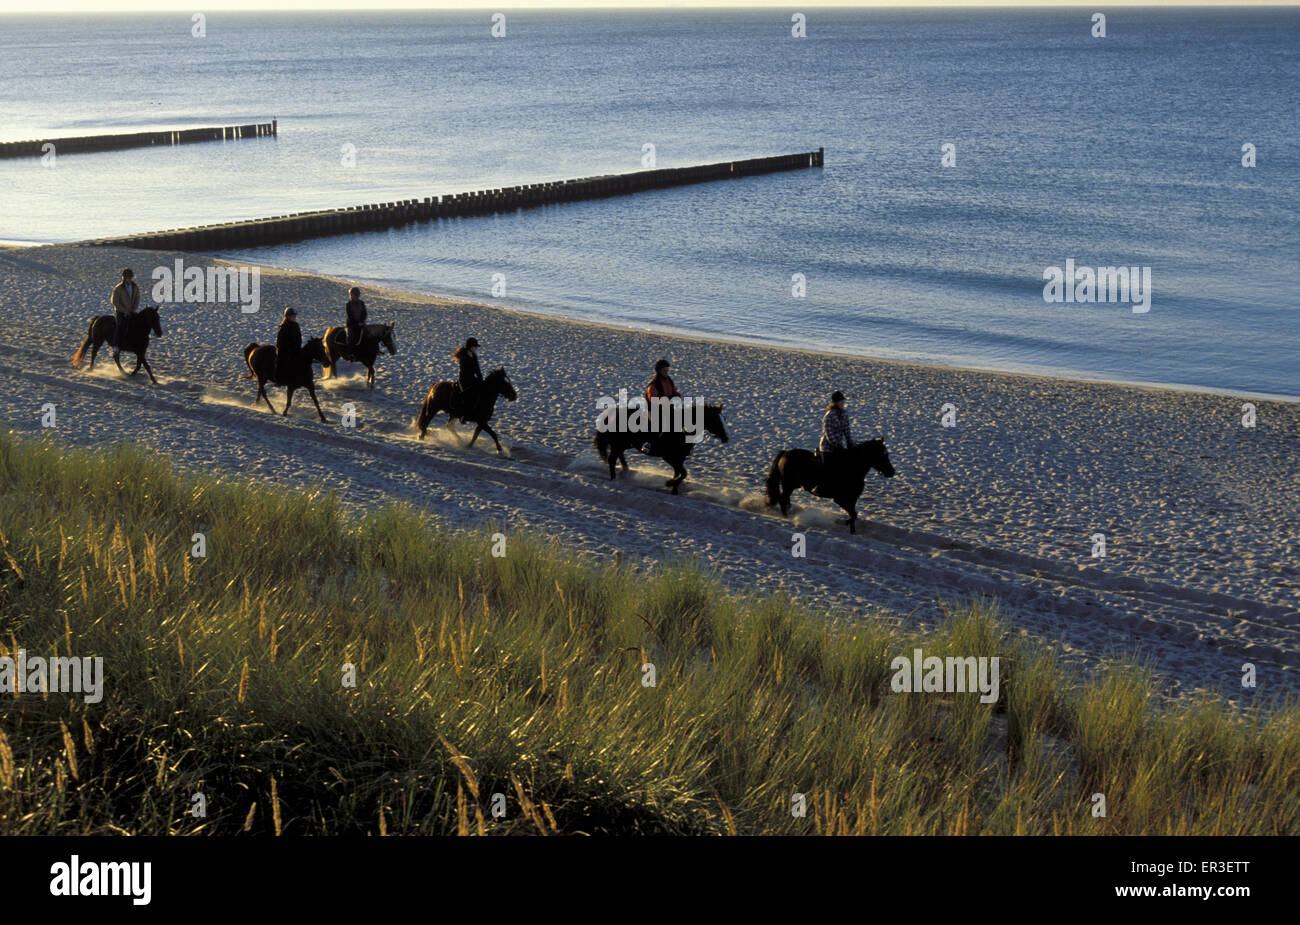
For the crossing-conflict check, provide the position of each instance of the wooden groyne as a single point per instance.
(378, 216)
(184, 136)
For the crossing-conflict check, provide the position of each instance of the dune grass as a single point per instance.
(522, 675)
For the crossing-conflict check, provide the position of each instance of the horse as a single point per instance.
(841, 482)
(442, 397)
(135, 339)
(372, 335)
(260, 360)
(672, 447)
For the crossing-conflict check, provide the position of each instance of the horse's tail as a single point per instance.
(80, 356)
(774, 481)
(601, 442)
(429, 409)
(426, 414)
(248, 351)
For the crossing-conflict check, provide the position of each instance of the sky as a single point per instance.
(191, 6)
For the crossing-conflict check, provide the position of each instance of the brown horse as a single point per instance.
(135, 339)
(841, 481)
(261, 365)
(442, 397)
(372, 336)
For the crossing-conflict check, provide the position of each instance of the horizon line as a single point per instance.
(55, 7)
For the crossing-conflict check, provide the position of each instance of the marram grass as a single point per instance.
(522, 676)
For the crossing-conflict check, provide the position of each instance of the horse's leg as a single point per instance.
(451, 427)
(852, 508)
(311, 390)
(94, 351)
(679, 475)
(117, 358)
(148, 369)
(620, 450)
(288, 398)
(493, 434)
(787, 489)
(370, 376)
(261, 390)
(478, 428)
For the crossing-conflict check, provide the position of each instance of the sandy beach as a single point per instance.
(1199, 512)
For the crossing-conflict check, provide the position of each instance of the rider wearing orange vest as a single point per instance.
(662, 385)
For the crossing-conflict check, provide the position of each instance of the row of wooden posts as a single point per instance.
(85, 143)
(299, 225)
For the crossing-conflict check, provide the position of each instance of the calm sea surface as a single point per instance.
(1117, 151)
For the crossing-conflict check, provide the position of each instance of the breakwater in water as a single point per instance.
(378, 216)
(83, 144)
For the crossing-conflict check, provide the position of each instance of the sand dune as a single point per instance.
(1199, 512)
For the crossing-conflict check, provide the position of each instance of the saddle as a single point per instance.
(461, 400)
(827, 465)
(292, 367)
(348, 350)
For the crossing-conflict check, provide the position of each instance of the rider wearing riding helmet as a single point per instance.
(126, 302)
(835, 430)
(355, 313)
(471, 376)
(662, 385)
(288, 346)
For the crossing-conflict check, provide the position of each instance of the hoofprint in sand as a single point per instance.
(1199, 513)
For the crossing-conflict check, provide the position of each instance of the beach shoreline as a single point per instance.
(1197, 510)
(1067, 375)
(397, 293)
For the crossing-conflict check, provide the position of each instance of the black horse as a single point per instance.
(365, 353)
(261, 366)
(841, 481)
(135, 339)
(443, 396)
(671, 447)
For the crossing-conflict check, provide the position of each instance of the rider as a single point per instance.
(835, 431)
(661, 386)
(288, 346)
(355, 311)
(471, 377)
(125, 299)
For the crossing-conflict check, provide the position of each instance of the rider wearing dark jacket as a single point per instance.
(288, 346)
(355, 312)
(471, 376)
